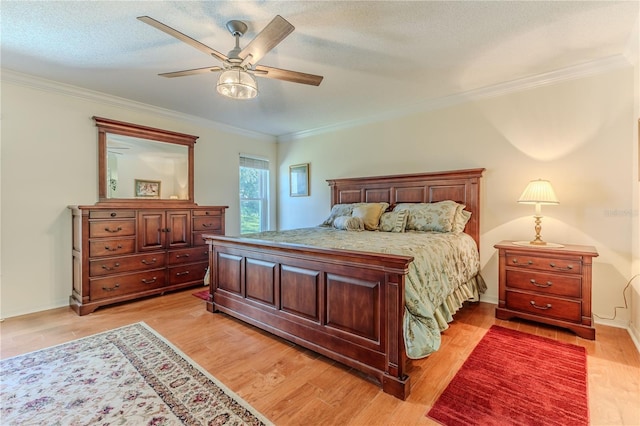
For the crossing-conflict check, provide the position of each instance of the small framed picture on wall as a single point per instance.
(299, 180)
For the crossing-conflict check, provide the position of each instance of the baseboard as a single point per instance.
(634, 333)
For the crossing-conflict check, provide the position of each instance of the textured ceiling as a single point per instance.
(376, 57)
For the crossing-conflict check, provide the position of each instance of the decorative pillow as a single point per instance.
(436, 217)
(393, 221)
(346, 210)
(339, 210)
(370, 214)
(460, 219)
(348, 223)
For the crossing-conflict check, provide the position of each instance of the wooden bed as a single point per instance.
(307, 295)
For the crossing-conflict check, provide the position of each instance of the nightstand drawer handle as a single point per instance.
(568, 268)
(118, 247)
(149, 262)
(537, 284)
(533, 303)
(529, 262)
(118, 229)
(151, 281)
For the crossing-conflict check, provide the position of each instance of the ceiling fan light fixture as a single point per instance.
(236, 83)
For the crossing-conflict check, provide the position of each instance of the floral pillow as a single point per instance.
(438, 217)
(348, 223)
(460, 219)
(393, 221)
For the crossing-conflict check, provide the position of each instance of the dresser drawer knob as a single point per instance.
(107, 268)
(151, 281)
(118, 229)
(537, 284)
(544, 308)
(114, 214)
(568, 268)
(111, 288)
(149, 262)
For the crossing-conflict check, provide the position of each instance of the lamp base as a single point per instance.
(537, 244)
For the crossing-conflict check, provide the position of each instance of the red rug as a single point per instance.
(515, 378)
(204, 294)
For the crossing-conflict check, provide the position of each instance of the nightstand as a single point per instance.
(551, 285)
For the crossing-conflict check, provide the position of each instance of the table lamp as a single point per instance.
(538, 192)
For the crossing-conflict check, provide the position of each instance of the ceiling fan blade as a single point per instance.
(286, 75)
(269, 37)
(190, 72)
(183, 37)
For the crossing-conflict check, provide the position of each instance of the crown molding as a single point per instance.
(545, 79)
(51, 86)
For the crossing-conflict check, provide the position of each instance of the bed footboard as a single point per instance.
(343, 304)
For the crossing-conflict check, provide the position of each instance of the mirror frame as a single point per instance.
(106, 125)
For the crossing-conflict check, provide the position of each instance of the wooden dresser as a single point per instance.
(547, 284)
(125, 253)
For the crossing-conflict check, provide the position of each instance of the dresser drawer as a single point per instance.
(212, 212)
(111, 247)
(207, 223)
(544, 263)
(111, 228)
(543, 283)
(186, 273)
(117, 265)
(544, 306)
(111, 214)
(102, 288)
(191, 255)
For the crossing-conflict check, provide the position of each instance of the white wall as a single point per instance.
(578, 134)
(49, 161)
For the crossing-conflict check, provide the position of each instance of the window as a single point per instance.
(254, 195)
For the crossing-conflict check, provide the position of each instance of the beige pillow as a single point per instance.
(348, 223)
(393, 221)
(370, 214)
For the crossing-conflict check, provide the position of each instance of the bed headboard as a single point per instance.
(461, 186)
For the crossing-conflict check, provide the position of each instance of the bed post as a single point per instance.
(395, 380)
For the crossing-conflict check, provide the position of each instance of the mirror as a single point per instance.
(143, 164)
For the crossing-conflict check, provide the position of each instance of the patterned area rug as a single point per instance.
(129, 375)
(515, 378)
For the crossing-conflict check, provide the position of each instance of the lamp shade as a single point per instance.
(236, 83)
(538, 191)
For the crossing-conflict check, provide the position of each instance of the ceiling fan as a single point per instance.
(240, 64)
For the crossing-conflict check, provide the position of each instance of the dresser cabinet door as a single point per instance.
(178, 229)
(151, 230)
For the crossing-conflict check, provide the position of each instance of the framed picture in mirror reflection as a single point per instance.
(147, 188)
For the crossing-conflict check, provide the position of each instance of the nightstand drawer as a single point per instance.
(544, 263)
(544, 306)
(543, 283)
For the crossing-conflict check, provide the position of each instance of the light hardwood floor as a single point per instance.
(294, 386)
